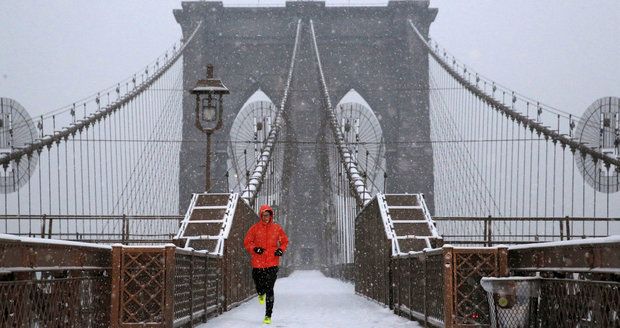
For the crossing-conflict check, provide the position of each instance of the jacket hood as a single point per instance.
(265, 208)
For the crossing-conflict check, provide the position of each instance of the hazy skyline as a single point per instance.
(560, 52)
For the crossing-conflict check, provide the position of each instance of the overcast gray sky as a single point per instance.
(563, 52)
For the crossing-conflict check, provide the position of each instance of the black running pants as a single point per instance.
(265, 279)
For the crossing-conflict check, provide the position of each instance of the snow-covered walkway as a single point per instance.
(309, 299)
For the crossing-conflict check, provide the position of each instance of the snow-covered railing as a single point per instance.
(441, 286)
(592, 255)
(40, 242)
(489, 231)
(387, 224)
(39, 274)
(410, 220)
(226, 224)
(427, 215)
(209, 218)
(100, 229)
(181, 286)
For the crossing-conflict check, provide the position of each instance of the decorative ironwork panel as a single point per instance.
(470, 265)
(143, 286)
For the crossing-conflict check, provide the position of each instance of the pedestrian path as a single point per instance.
(309, 299)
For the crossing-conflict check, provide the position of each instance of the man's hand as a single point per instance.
(259, 250)
(278, 252)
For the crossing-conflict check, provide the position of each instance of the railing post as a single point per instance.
(391, 290)
(169, 260)
(487, 231)
(409, 305)
(389, 298)
(567, 222)
(425, 286)
(206, 285)
(221, 285)
(561, 222)
(448, 297)
(43, 217)
(502, 256)
(191, 289)
(125, 232)
(49, 228)
(115, 295)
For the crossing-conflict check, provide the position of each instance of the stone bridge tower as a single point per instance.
(369, 49)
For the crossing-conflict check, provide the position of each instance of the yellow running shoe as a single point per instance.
(261, 298)
(267, 320)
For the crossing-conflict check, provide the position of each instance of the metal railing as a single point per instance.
(53, 284)
(596, 257)
(578, 303)
(489, 231)
(535, 302)
(561, 284)
(373, 251)
(100, 229)
(173, 287)
(198, 289)
(419, 286)
(440, 286)
(67, 298)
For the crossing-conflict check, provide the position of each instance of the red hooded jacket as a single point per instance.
(269, 236)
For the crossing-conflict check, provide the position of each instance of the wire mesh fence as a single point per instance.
(418, 285)
(64, 298)
(533, 302)
(567, 303)
(198, 291)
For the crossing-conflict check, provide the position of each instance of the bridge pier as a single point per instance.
(251, 48)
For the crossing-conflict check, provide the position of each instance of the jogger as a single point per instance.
(266, 242)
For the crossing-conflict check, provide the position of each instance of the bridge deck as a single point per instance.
(309, 299)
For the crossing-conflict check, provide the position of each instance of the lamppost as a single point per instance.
(209, 106)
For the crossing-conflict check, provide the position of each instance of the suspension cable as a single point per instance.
(260, 171)
(355, 180)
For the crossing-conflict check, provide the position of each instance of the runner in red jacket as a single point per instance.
(266, 241)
